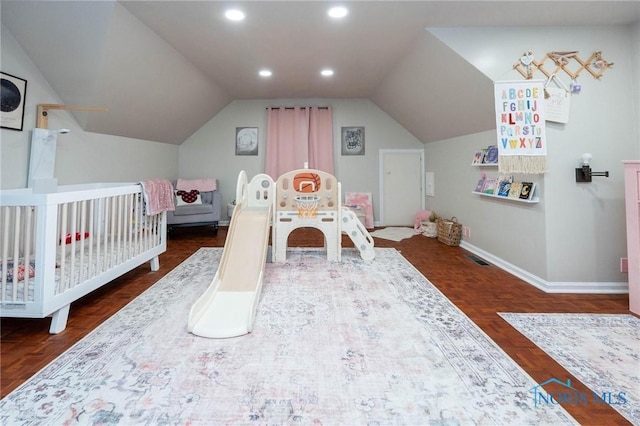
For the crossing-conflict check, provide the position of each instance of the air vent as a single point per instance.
(478, 260)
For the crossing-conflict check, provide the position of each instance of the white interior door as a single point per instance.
(401, 189)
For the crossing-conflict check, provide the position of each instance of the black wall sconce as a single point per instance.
(584, 173)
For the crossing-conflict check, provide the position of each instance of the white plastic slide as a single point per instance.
(361, 238)
(228, 306)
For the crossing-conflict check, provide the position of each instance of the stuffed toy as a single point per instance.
(421, 216)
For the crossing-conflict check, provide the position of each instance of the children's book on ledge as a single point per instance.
(490, 186)
(492, 155)
(478, 157)
(514, 191)
(504, 188)
(526, 193)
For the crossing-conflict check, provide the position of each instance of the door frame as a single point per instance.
(381, 154)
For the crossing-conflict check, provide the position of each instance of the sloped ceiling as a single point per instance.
(97, 54)
(164, 68)
(432, 88)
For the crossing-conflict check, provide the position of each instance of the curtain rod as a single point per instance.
(325, 107)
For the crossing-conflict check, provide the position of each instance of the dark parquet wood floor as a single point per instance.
(479, 291)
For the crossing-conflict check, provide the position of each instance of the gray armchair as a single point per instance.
(205, 214)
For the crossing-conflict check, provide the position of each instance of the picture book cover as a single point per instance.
(491, 156)
(527, 190)
(514, 191)
(479, 185)
(478, 157)
(490, 186)
(503, 188)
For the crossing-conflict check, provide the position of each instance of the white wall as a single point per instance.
(577, 232)
(211, 150)
(82, 157)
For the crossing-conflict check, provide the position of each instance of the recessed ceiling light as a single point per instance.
(326, 72)
(265, 73)
(338, 12)
(234, 15)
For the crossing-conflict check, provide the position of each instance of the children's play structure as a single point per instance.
(298, 199)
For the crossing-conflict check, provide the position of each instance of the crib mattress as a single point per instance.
(87, 265)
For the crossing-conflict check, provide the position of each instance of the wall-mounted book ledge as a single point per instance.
(533, 200)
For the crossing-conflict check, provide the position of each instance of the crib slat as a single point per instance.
(16, 254)
(127, 223)
(104, 218)
(28, 226)
(107, 228)
(99, 234)
(6, 212)
(83, 227)
(95, 237)
(114, 221)
(73, 231)
(136, 224)
(154, 230)
(118, 256)
(62, 285)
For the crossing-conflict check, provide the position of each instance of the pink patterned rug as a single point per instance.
(347, 343)
(602, 350)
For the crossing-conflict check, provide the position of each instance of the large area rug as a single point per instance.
(602, 351)
(349, 343)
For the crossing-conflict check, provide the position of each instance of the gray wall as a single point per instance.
(577, 232)
(82, 157)
(211, 150)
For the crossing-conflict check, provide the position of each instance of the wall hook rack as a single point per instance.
(595, 65)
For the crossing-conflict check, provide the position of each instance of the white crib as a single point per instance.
(72, 241)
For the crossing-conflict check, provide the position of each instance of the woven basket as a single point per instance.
(449, 231)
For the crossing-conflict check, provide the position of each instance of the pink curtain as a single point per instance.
(298, 135)
(321, 139)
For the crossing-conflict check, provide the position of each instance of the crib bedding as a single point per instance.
(87, 264)
(20, 270)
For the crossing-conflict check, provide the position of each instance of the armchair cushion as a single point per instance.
(188, 197)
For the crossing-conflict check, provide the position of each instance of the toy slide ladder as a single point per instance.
(228, 306)
(361, 238)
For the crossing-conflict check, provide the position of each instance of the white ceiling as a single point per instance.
(164, 68)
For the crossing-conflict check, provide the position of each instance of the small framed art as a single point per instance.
(352, 141)
(246, 141)
(14, 91)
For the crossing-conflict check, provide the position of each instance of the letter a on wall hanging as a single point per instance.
(520, 128)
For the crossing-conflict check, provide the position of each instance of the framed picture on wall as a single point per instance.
(14, 91)
(246, 141)
(352, 140)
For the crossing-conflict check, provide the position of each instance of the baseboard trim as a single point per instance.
(547, 286)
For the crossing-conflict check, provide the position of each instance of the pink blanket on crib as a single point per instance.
(158, 196)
